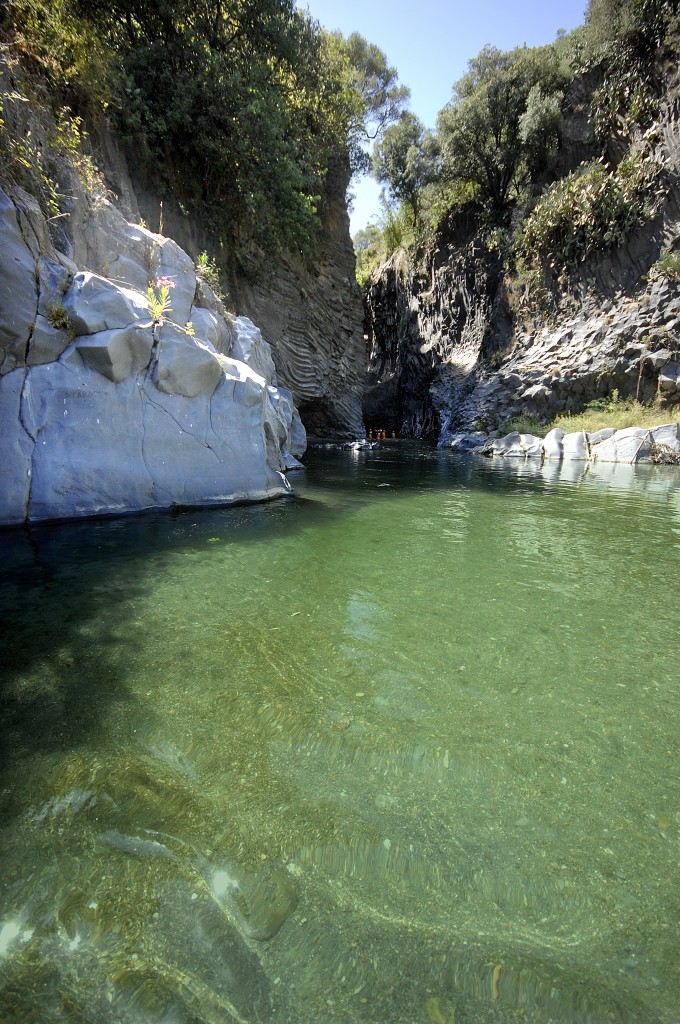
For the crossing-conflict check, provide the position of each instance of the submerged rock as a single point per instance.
(136, 846)
(260, 902)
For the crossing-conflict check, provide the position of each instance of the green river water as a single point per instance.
(400, 748)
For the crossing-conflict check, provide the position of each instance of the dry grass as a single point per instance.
(614, 412)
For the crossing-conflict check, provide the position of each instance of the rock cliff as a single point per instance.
(309, 309)
(312, 315)
(449, 350)
(106, 408)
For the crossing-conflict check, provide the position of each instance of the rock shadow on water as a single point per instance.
(67, 593)
(64, 608)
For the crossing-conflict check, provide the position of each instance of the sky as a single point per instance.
(430, 42)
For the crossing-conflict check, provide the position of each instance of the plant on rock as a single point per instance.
(158, 298)
(592, 209)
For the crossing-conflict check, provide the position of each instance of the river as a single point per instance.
(401, 748)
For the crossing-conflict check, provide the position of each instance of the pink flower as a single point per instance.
(165, 282)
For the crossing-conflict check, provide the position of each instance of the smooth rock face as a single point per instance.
(17, 449)
(575, 445)
(668, 434)
(630, 445)
(212, 327)
(18, 288)
(94, 304)
(186, 366)
(46, 343)
(116, 354)
(249, 346)
(552, 443)
(131, 415)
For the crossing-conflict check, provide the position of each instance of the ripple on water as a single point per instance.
(390, 756)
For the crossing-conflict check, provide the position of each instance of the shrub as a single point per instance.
(591, 209)
(669, 265)
(208, 272)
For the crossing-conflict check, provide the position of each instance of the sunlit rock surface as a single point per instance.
(104, 411)
(631, 445)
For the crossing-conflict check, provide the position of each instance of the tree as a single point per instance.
(483, 137)
(406, 158)
(240, 108)
(539, 129)
(244, 110)
(381, 99)
(641, 22)
(377, 85)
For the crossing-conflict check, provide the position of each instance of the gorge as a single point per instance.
(400, 747)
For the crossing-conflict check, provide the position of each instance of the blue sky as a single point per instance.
(431, 41)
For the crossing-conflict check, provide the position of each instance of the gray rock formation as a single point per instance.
(430, 368)
(426, 327)
(312, 315)
(448, 352)
(310, 310)
(622, 347)
(103, 410)
(631, 445)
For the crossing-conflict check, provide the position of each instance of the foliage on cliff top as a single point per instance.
(499, 141)
(240, 109)
(592, 208)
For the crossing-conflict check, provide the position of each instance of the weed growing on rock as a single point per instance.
(206, 271)
(158, 298)
(59, 319)
(668, 265)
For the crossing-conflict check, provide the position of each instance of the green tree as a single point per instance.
(237, 107)
(642, 22)
(539, 129)
(244, 110)
(487, 135)
(377, 84)
(406, 158)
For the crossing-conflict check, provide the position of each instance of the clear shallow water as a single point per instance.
(403, 748)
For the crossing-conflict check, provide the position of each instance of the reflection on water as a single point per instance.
(402, 748)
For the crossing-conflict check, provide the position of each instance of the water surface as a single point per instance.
(402, 748)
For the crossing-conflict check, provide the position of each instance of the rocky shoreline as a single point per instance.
(659, 445)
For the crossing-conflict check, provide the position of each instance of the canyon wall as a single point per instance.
(308, 307)
(452, 348)
(109, 407)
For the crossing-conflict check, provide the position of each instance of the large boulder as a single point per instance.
(118, 353)
(104, 412)
(186, 365)
(575, 445)
(93, 304)
(633, 444)
(552, 443)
